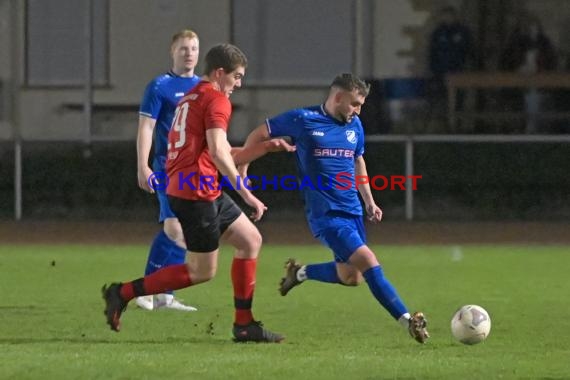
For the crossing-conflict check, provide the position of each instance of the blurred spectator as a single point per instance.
(450, 48)
(528, 49)
(451, 45)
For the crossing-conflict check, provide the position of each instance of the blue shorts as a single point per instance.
(165, 211)
(342, 233)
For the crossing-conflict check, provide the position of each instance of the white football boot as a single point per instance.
(145, 302)
(167, 301)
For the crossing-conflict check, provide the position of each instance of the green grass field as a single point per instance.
(52, 325)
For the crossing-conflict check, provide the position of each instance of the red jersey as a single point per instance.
(191, 171)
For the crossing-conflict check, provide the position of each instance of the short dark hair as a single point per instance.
(350, 82)
(226, 56)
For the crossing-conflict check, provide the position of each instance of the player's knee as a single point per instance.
(205, 274)
(252, 245)
(174, 231)
(201, 273)
(257, 241)
(353, 279)
(209, 274)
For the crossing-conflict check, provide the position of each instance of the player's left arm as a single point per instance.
(373, 212)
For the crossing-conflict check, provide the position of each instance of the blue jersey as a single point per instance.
(159, 102)
(326, 150)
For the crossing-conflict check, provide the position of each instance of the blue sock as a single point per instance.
(325, 272)
(384, 292)
(163, 252)
(177, 255)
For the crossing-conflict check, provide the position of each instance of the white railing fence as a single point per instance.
(409, 142)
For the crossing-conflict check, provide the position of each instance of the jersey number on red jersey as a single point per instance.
(179, 125)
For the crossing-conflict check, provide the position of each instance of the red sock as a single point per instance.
(166, 279)
(243, 280)
(127, 291)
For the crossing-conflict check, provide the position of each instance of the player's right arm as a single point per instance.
(373, 212)
(144, 144)
(255, 138)
(220, 151)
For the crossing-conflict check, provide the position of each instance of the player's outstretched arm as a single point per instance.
(245, 155)
(373, 212)
(256, 137)
(144, 144)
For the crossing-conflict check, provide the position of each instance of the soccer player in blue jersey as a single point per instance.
(330, 140)
(155, 118)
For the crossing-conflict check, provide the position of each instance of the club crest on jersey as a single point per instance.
(351, 136)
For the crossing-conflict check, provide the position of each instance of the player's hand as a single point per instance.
(279, 145)
(143, 174)
(374, 213)
(258, 207)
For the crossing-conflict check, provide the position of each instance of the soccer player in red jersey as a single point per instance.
(198, 150)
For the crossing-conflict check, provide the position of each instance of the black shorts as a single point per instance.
(204, 222)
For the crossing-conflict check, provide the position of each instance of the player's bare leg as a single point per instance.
(348, 274)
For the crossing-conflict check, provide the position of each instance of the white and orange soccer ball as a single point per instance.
(471, 324)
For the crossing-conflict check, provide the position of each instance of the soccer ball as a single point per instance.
(471, 324)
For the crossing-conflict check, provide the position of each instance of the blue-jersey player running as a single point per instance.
(155, 118)
(330, 145)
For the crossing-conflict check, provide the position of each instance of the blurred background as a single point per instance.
(473, 95)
